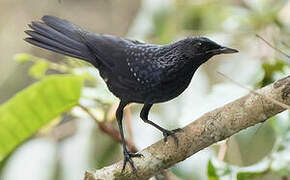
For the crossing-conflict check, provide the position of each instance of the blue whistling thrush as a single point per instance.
(133, 71)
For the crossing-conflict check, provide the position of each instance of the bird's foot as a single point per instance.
(171, 133)
(128, 158)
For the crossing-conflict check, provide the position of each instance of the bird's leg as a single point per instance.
(144, 116)
(127, 155)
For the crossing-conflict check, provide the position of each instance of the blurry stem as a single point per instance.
(208, 129)
(111, 112)
(269, 44)
(274, 150)
(222, 151)
(64, 130)
(128, 120)
(101, 102)
(107, 127)
(60, 132)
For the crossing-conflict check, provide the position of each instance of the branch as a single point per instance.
(212, 127)
(276, 49)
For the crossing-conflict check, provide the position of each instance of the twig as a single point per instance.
(101, 102)
(255, 92)
(269, 44)
(61, 131)
(110, 130)
(64, 130)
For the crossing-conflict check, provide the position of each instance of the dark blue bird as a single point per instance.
(133, 71)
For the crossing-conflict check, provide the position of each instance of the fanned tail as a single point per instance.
(60, 36)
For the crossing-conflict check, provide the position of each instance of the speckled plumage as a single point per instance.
(133, 71)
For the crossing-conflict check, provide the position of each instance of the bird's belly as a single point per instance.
(171, 88)
(128, 93)
(166, 93)
(162, 92)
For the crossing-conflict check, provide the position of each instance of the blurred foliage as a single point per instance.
(38, 69)
(269, 70)
(38, 105)
(189, 17)
(35, 106)
(184, 18)
(61, 87)
(211, 171)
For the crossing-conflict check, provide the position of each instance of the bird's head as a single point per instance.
(202, 48)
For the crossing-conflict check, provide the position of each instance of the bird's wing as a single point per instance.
(133, 62)
(106, 48)
(113, 52)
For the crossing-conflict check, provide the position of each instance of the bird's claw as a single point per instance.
(128, 158)
(171, 133)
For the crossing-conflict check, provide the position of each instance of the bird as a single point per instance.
(133, 71)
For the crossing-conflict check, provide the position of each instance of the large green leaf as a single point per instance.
(34, 107)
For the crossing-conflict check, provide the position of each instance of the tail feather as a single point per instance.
(54, 49)
(40, 38)
(60, 36)
(63, 26)
(51, 33)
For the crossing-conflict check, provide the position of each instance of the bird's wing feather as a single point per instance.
(112, 51)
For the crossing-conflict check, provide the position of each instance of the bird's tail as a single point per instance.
(60, 36)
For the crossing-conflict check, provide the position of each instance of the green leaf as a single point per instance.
(248, 175)
(211, 171)
(38, 69)
(34, 107)
(22, 57)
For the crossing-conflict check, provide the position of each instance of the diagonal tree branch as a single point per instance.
(212, 127)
